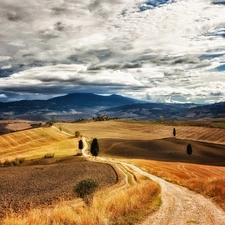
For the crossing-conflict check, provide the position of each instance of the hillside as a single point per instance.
(155, 141)
(35, 143)
(71, 106)
(77, 106)
(170, 111)
(150, 146)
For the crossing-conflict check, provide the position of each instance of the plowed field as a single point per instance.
(44, 182)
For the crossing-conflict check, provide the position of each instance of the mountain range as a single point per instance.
(88, 105)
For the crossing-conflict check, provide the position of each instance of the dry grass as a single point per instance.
(121, 206)
(35, 143)
(206, 180)
(145, 131)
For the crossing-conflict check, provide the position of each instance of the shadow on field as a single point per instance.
(168, 149)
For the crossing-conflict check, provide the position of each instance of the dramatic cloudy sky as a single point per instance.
(165, 50)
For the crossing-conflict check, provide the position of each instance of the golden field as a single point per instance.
(150, 146)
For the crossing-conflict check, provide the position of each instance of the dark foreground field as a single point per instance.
(42, 183)
(167, 149)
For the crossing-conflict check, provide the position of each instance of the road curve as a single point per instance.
(181, 206)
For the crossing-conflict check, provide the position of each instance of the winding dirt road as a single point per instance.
(181, 206)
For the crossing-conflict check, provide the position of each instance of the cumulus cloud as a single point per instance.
(68, 78)
(165, 50)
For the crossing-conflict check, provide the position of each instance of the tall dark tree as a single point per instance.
(80, 144)
(174, 132)
(94, 147)
(189, 149)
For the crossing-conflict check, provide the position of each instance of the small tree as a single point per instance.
(189, 149)
(174, 132)
(80, 144)
(77, 134)
(85, 189)
(94, 147)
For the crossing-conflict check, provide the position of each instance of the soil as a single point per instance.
(7, 126)
(45, 182)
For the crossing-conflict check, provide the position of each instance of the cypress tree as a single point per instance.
(174, 132)
(189, 149)
(80, 144)
(94, 147)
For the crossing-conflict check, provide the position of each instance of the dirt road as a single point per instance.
(181, 206)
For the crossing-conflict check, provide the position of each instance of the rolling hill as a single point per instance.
(77, 106)
(35, 143)
(71, 106)
(169, 111)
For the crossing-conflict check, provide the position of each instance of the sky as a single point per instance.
(170, 51)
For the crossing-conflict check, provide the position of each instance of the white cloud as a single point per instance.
(170, 52)
(3, 96)
(6, 67)
(65, 78)
(4, 58)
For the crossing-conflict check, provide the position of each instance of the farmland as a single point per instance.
(150, 146)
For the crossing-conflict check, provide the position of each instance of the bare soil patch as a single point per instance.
(7, 126)
(45, 182)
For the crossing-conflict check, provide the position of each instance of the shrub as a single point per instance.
(15, 162)
(85, 188)
(77, 134)
(18, 161)
(7, 163)
(50, 123)
(49, 155)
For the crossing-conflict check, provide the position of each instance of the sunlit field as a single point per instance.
(150, 146)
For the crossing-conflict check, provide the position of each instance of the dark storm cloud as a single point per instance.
(13, 16)
(114, 66)
(219, 93)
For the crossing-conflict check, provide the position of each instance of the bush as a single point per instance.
(77, 134)
(7, 163)
(15, 162)
(49, 156)
(18, 161)
(50, 123)
(85, 188)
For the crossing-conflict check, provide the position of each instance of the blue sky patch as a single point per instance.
(151, 4)
(218, 3)
(221, 68)
(210, 56)
(218, 32)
